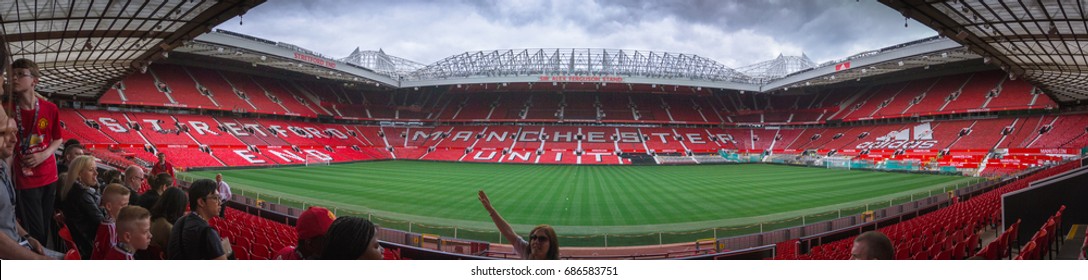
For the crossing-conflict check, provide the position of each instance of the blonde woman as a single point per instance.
(79, 202)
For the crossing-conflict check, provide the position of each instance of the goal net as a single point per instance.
(312, 160)
(837, 163)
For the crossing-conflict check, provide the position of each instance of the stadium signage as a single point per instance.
(921, 138)
(1058, 151)
(315, 60)
(842, 66)
(899, 144)
(601, 79)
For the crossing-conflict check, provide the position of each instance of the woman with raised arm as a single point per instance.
(542, 245)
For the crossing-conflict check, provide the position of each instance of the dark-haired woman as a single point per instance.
(352, 238)
(543, 243)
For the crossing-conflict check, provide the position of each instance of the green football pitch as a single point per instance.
(641, 202)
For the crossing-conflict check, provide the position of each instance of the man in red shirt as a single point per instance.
(38, 138)
(164, 166)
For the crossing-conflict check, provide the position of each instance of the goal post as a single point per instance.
(312, 160)
(837, 163)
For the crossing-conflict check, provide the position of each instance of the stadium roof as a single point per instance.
(777, 68)
(918, 55)
(382, 63)
(588, 62)
(85, 46)
(259, 52)
(1042, 41)
(601, 66)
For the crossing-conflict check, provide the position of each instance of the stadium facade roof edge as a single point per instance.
(1041, 41)
(266, 53)
(578, 65)
(84, 47)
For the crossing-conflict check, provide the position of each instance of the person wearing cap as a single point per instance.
(311, 227)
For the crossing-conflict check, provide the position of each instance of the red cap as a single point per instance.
(314, 222)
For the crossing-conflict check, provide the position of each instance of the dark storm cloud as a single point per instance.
(735, 33)
(822, 28)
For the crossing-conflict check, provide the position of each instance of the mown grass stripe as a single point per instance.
(649, 198)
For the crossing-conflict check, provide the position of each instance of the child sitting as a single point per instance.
(114, 197)
(133, 233)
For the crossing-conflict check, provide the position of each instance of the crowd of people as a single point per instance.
(101, 211)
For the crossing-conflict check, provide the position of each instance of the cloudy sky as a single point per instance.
(734, 33)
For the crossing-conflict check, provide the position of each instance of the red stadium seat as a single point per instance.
(1029, 252)
(66, 235)
(959, 251)
(943, 255)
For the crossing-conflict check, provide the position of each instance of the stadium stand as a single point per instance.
(1066, 131)
(519, 125)
(75, 126)
(185, 89)
(983, 134)
(567, 139)
(871, 103)
(990, 123)
(116, 126)
(208, 131)
(268, 138)
(254, 94)
(139, 89)
(295, 103)
(947, 233)
(161, 129)
(1015, 94)
(250, 132)
(973, 94)
(930, 102)
(895, 105)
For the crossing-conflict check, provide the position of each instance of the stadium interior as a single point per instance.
(212, 100)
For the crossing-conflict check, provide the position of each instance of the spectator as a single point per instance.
(543, 243)
(169, 208)
(163, 166)
(133, 179)
(224, 193)
(192, 238)
(133, 233)
(872, 245)
(158, 186)
(70, 142)
(38, 138)
(79, 202)
(352, 238)
(70, 153)
(311, 227)
(15, 243)
(114, 198)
